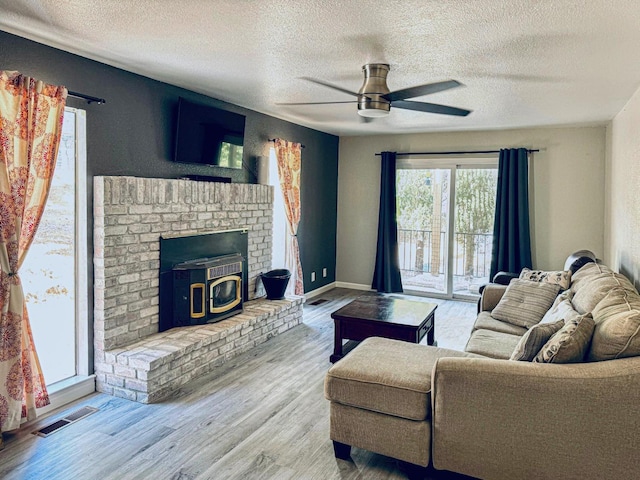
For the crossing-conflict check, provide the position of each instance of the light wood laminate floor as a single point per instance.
(263, 415)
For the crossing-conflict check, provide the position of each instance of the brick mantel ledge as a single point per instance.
(153, 369)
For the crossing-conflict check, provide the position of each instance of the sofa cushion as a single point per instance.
(535, 338)
(584, 274)
(571, 343)
(525, 302)
(587, 271)
(617, 330)
(492, 344)
(486, 322)
(387, 376)
(596, 287)
(561, 278)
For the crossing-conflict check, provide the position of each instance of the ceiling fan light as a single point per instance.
(373, 113)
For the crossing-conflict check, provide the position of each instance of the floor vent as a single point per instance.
(63, 422)
(320, 301)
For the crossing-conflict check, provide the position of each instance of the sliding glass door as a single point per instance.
(423, 223)
(475, 200)
(445, 213)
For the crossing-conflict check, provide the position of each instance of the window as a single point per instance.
(54, 273)
(230, 155)
(279, 240)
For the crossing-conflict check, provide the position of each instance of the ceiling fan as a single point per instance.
(374, 98)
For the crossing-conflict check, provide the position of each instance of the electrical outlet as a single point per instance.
(324, 273)
(313, 276)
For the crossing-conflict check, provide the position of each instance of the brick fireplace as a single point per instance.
(132, 358)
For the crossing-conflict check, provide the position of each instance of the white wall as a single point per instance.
(622, 232)
(567, 200)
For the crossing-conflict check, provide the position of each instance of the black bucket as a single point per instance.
(275, 283)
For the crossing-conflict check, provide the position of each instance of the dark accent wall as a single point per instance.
(132, 134)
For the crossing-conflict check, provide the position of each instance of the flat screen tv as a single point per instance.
(208, 136)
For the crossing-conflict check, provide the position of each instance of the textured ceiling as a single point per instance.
(524, 63)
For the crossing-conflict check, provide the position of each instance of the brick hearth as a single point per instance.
(133, 360)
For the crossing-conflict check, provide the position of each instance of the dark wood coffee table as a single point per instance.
(375, 315)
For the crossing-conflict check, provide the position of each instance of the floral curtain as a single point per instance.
(288, 155)
(31, 114)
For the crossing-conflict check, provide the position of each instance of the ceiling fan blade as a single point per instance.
(315, 103)
(330, 85)
(421, 90)
(430, 108)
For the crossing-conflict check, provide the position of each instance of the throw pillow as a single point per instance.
(560, 309)
(562, 278)
(524, 302)
(532, 341)
(570, 343)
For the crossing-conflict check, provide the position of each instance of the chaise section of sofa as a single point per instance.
(381, 399)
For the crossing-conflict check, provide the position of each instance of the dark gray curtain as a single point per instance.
(511, 236)
(386, 276)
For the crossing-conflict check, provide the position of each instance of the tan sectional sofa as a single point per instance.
(480, 414)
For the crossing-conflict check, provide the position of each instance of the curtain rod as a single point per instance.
(274, 139)
(88, 98)
(468, 152)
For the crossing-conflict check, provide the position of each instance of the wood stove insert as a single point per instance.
(190, 251)
(206, 290)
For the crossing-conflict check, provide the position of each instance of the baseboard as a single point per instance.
(332, 285)
(67, 391)
(319, 291)
(354, 286)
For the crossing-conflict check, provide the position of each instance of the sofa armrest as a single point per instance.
(503, 278)
(504, 419)
(490, 297)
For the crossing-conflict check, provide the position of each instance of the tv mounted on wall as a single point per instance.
(208, 135)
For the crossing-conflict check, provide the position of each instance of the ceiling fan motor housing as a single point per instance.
(370, 101)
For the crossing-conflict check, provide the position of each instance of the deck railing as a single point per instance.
(420, 252)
